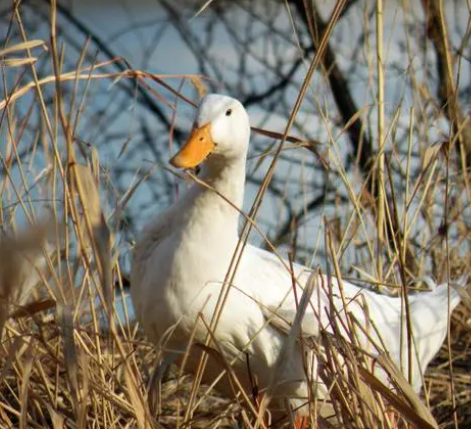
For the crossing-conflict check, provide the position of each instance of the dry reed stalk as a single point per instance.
(381, 141)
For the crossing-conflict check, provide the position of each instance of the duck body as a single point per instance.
(182, 258)
(180, 264)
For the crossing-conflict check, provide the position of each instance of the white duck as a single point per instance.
(182, 258)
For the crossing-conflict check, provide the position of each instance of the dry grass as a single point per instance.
(67, 361)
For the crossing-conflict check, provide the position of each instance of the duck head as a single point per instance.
(221, 132)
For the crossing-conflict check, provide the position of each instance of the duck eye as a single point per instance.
(228, 112)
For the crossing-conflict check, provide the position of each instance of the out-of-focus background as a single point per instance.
(258, 52)
(109, 86)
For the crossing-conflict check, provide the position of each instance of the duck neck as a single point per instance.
(213, 210)
(227, 179)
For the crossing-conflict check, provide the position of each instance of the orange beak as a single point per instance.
(196, 149)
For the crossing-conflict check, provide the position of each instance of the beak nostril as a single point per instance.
(201, 139)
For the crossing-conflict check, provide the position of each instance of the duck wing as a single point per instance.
(378, 321)
(277, 286)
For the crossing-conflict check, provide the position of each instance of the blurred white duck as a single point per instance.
(181, 261)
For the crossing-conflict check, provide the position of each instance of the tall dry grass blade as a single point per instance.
(17, 62)
(464, 293)
(24, 393)
(198, 84)
(380, 179)
(142, 417)
(58, 420)
(30, 44)
(398, 379)
(285, 354)
(154, 387)
(202, 8)
(95, 228)
(84, 392)
(341, 366)
(64, 314)
(409, 405)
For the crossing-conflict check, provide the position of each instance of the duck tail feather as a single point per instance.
(458, 289)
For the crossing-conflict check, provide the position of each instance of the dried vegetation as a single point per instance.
(68, 361)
